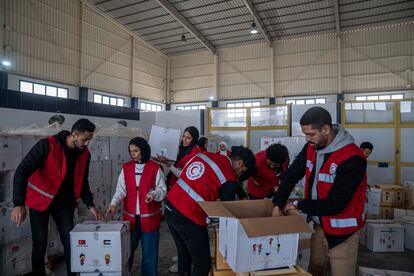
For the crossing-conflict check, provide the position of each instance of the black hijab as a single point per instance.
(202, 142)
(185, 150)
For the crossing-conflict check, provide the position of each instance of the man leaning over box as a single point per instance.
(50, 180)
(335, 172)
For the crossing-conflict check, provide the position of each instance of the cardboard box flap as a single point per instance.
(256, 227)
(389, 187)
(99, 226)
(215, 209)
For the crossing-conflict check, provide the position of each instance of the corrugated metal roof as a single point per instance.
(226, 23)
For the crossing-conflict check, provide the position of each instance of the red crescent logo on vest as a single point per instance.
(332, 169)
(195, 171)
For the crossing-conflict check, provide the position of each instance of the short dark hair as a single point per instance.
(277, 153)
(244, 154)
(83, 125)
(143, 146)
(366, 145)
(316, 117)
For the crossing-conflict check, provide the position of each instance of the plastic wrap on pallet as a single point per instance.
(9, 232)
(10, 152)
(6, 188)
(15, 257)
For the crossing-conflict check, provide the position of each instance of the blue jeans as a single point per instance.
(149, 244)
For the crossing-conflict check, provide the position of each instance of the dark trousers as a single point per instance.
(149, 243)
(39, 223)
(192, 244)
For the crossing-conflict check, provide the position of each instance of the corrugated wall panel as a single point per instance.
(45, 43)
(44, 38)
(306, 66)
(192, 77)
(107, 55)
(378, 59)
(244, 72)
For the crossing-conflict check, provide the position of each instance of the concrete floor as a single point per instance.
(393, 261)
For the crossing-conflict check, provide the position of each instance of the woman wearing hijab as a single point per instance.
(203, 143)
(187, 150)
(223, 149)
(141, 187)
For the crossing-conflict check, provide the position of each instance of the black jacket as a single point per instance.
(65, 198)
(349, 175)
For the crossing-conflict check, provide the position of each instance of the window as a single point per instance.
(149, 107)
(380, 97)
(191, 107)
(43, 89)
(102, 99)
(240, 113)
(307, 101)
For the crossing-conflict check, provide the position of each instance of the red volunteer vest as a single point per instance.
(181, 163)
(265, 180)
(200, 180)
(45, 182)
(150, 214)
(352, 217)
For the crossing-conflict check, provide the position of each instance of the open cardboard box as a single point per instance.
(251, 239)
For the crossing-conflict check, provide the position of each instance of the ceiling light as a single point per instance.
(183, 39)
(211, 98)
(253, 29)
(6, 63)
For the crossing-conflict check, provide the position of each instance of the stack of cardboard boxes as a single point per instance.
(249, 240)
(382, 199)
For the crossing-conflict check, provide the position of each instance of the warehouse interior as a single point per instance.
(243, 72)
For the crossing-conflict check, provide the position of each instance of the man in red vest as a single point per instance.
(335, 172)
(50, 180)
(270, 166)
(206, 177)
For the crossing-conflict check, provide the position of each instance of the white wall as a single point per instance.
(15, 118)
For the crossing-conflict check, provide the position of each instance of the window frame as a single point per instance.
(46, 86)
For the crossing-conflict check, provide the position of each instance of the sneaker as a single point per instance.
(173, 268)
(174, 259)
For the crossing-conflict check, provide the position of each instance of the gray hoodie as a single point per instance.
(341, 139)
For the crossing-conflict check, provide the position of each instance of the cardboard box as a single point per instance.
(16, 257)
(363, 234)
(408, 223)
(251, 239)
(373, 201)
(303, 258)
(387, 213)
(165, 142)
(392, 195)
(365, 271)
(220, 262)
(226, 272)
(290, 271)
(99, 148)
(6, 187)
(10, 152)
(9, 232)
(409, 198)
(399, 213)
(385, 237)
(99, 246)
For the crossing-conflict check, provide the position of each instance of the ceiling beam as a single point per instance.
(186, 24)
(259, 21)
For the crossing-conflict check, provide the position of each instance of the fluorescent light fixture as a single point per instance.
(6, 63)
(211, 98)
(253, 29)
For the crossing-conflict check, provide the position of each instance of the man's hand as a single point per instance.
(96, 213)
(276, 212)
(110, 211)
(18, 215)
(149, 197)
(290, 209)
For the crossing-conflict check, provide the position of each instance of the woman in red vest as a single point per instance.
(223, 149)
(141, 187)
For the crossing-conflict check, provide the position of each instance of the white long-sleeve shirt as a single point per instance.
(159, 192)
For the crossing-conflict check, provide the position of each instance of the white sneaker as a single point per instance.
(173, 268)
(174, 259)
